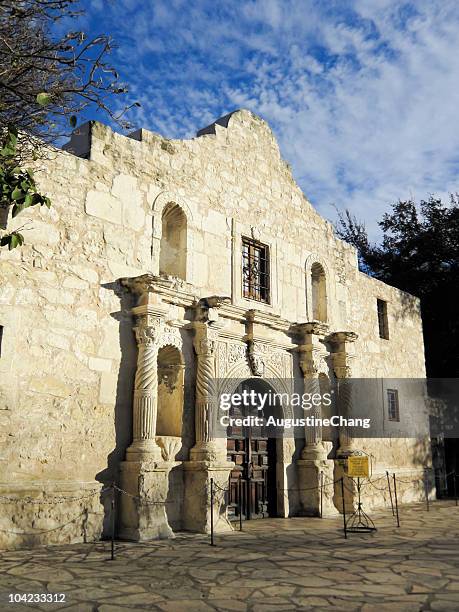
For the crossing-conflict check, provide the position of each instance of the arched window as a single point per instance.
(172, 255)
(170, 392)
(319, 292)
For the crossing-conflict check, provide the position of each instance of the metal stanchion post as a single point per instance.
(390, 493)
(113, 511)
(426, 489)
(212, 512)
(240, 503)
(396, 501)
(85, 525)
(344, 508)
(321, 493)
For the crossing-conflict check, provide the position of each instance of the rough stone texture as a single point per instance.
(275, 564)
(69, 355)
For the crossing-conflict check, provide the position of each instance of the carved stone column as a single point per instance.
(206, 328)
(314, 469)
(343, 355)
(144, 475)
(145, 389)
(312, 363)
(205, 342)
(208, 456)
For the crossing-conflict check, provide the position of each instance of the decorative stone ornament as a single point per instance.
(205, 342)
(144, 475)
(149, 314)
(255, 360)
(343, 357)
(314, 467)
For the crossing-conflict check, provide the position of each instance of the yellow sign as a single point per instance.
(358, 467)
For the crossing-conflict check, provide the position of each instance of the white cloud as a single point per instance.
(363, 99)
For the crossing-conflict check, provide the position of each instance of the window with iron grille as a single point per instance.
(255, 270)
(382, 320)
(392, 405)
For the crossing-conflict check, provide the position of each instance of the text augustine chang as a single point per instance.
(261, 401)
(310, 421)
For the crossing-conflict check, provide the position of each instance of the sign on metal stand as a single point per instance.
(359, 521)
(358, 466)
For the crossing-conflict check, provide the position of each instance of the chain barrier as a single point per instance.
(37, 533)
(145, 502)
(422, 479)
(315, 488)
(216, 498)
(61, 500)
(374, 486)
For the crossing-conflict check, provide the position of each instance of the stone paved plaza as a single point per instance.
(280, 564)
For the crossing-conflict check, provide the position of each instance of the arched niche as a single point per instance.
(163, 211)
(318, 292)
(173, 246)
(319, 288)
(170, 392)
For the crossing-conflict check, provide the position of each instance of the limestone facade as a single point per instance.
(129, 292)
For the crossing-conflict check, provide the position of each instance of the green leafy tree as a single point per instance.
(48, 80)
(419, 253)
(18, 188)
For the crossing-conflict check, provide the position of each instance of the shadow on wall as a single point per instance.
(422, 458)
(444, 429)
(124, 394)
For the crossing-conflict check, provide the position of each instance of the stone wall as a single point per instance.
(68, 355)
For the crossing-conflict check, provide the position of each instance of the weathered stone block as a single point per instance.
(143, 505)
(197, 503)
(104, 206)
(99, 365)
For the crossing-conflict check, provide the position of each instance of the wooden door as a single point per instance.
(252, 481)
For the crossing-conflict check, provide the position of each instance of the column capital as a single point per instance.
(343, 352)
(311, 328)
(312, 362)
(148, 289)
(206, 309)
(342, 337)
(311, 348)
(205, 338)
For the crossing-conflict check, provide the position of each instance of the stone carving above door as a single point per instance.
(252, 359)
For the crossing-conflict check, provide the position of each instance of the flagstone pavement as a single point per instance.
(272, 565)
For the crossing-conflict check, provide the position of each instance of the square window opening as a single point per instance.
(255, 271)
(383, 323)
(393, 409)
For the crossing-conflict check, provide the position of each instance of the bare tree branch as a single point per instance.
(46, 80)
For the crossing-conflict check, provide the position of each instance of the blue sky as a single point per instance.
(362, 95)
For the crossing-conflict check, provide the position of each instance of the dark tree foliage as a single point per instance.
(419, 253)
